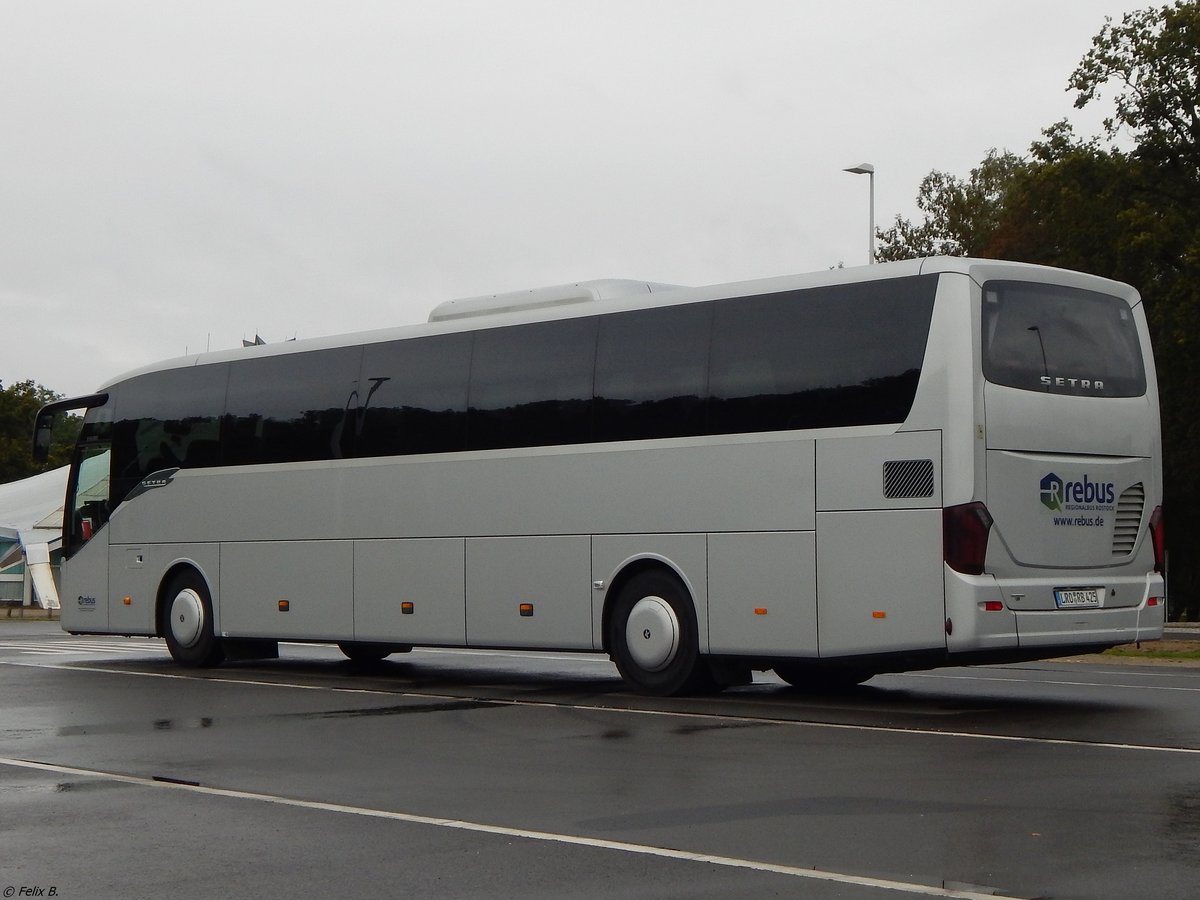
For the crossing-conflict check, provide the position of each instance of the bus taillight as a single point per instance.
(965, 531)
(1158, 536)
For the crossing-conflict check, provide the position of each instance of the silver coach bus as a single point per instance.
(902, 466)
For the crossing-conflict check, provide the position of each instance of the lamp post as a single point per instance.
(868, 169)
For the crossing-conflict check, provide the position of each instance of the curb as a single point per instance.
(29, 613)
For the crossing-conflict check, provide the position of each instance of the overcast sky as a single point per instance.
(180, 175)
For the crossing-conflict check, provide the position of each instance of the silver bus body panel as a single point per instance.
(86, 590)
(429, 573)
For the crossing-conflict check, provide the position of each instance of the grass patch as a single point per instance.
(1165, 649)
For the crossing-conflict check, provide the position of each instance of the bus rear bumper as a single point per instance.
(1061, 628)
(1118, 625)
(978, 618)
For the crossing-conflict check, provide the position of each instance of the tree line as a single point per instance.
(1125, 205)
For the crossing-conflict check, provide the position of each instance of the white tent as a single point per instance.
(31, 514)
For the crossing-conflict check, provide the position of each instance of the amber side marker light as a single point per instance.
(284, 605)
(406, 608)
(526, 609)
(760, 610)
(879, 614)
(128, 601)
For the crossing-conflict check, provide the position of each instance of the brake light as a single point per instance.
(965, 531)
(1158, 537)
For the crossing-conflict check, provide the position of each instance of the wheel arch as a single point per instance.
(172, 572)
(626, 572)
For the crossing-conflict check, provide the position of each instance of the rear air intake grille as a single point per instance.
(1130, 505)
(905, 479)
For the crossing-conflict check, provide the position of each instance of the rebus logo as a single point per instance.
(1056, 492)
(1052, 492)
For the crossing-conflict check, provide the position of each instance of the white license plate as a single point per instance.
(1076, 598)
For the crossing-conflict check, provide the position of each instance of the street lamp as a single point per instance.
(868, 169)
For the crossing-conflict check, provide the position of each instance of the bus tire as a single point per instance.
(821, 679)
(368, 652)
(187, 622)
(653, 637)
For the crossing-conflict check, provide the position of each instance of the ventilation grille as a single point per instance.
(1130, 505)
(905, 479)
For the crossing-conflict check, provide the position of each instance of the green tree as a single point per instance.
(19, 404)
(960, 215)
(1132, 215)
(1153, 56)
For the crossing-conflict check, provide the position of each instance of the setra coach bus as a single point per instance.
(902, 466)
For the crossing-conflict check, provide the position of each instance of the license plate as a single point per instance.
(1077, 598)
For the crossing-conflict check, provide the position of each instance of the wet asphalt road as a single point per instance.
(476, 774)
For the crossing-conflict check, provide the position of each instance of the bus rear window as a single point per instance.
(1060, 340)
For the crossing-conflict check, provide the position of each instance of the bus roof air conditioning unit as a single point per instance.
(545, 298)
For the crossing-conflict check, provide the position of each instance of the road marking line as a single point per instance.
(583, 707)
(68, 646)
(1103, 684)
(504, 831)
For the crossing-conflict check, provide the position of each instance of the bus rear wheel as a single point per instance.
(187, 622)
(821, 679)
(364, 651)
(652, 637)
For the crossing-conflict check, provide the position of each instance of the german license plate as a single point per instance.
(1078, 598)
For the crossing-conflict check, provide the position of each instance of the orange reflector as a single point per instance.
(406, 608)
(1153, 601)
(993, 605)
(526, 609)
(284, 605)
(760, 610)
(879, 614)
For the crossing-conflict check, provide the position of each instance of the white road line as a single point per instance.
(584, 707)
(544, 836)
(61, 647)
(1103, 684)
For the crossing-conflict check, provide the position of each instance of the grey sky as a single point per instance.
(176, 175)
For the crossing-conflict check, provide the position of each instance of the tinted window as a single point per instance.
(652, 373)
(414, 396)
(163, 420)
(292, 407)
(819, 358)
(531, 385)
(1041, 337)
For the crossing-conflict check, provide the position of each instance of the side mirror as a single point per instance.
(43, 429)
(43, 425)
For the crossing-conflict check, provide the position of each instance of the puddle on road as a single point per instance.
(400, 710)
(136, 727)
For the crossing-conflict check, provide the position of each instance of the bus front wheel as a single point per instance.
(187, 622)
(653, 637)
